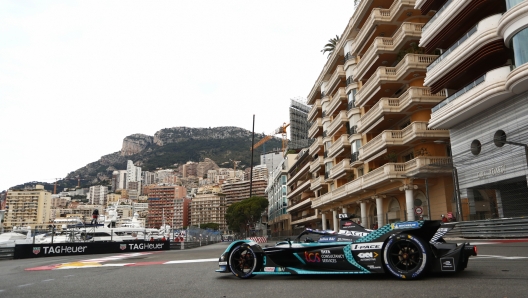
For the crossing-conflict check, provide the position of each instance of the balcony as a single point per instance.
(458, 56)
(416, 131)
(410, 98)
(316, 129)
(396, 76)
(315, 112)
(316, 164)
(340, 169)
(299, 205)
(475, 98)
(334, 81)
(337, 103)
(299, 189)
(308, 217)
(377, 17)
(317, 183)
(299, 174)
(349, 61)
(422, 166)
(387, 45)
(339, 146)
(316, 146)
(338, 123)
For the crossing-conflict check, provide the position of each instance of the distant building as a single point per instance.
(182, 213)
(209, 208)
(98, 195)
(162, 203)
(133, 174)
(29, 207)
(119, 179)
(271, 160)
(236, 192)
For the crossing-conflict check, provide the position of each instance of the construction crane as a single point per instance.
(281, 130)
(235, 163)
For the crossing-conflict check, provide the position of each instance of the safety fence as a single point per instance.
(7, 253)
(491, 228)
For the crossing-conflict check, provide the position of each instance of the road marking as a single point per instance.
(499, 257)
(20, 286)
(46, 280)
(192, 261)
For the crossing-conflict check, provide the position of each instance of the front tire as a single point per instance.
(407, 256)
(243, 261)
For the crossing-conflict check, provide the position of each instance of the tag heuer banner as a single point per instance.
(23, 251)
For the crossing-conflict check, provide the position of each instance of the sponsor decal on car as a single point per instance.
(269, 269)
(328, 257)
(222, 263)
(447, 264)
(312, 257)
(367, 246)
(367, 256)
(373, 267)
(355, 233)
(327, 239)
(405, 225)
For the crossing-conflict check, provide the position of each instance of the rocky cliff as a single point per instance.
(172, 146)
(135, 143)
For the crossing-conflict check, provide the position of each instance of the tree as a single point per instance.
(247, 212)
(330, 46)
(210, 225)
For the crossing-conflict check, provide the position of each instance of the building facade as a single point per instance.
(133, 175)
(236, 192)
(374, 154)
(483, 70)
(209, 208)
(162, 204)
(98, 195)
(277, 192)
(29, 207)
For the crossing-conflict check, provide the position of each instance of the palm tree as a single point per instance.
(330, 46)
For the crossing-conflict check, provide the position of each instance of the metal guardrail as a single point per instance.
(190, 244)
(492, 228)
(7, 253)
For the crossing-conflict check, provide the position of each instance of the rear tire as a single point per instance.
(243, 261)
(407, 256)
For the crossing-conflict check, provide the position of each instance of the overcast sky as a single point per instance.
(76, 77)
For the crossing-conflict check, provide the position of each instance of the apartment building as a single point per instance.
(483, 70)
(119, 179)
(28, 207)
(236, 192)
(209, 208)
(182, 213)
(162, 203)
(277, 193)
(301, 193)
(97, 195)
(374, 154)
(133, 175)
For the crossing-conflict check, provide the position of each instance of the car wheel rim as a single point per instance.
(243, 261)
(405, 256)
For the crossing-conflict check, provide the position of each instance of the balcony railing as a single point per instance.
(459, 93)
(452, 48)
(437, 14)
(397, 105)
(422, 164)
(354, 156)
(340, 144)
(401, 137)
(349, 56)
(316, 145)
(340, 168)
(419, 61)
(349, 80)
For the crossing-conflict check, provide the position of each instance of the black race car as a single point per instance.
(406, 250)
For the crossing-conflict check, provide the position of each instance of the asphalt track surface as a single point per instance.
(500, 270)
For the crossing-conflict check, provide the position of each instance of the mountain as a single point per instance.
(170, 147)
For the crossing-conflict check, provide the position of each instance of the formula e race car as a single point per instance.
(406, 250)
